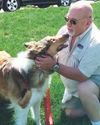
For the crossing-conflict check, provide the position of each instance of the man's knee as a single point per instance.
(87, 87)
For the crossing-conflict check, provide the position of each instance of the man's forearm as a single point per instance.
(72, 73)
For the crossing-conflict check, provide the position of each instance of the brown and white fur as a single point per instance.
(23, 83)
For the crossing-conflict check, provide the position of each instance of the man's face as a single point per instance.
(77, 22)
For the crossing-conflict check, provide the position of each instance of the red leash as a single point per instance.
(47, 109)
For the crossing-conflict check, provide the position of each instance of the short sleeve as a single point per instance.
(90, 61)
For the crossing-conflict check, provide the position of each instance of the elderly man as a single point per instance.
(79, 63)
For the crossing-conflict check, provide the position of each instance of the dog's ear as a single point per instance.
(36, 48)
(29, 45)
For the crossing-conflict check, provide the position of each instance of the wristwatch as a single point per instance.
(55, 67)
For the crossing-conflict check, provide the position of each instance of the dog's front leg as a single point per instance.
(21, 115)
(35, 110)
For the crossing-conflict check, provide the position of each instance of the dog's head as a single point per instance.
(49, 45)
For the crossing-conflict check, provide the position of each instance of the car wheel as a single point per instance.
(11, 5)
(66, 2)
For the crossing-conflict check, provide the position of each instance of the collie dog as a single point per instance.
(22, 82)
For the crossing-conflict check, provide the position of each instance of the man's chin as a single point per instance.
(71, 33)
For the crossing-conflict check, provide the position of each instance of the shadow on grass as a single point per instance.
(64, 120)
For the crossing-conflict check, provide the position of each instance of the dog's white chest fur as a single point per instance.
(37, 93)
(34, 104)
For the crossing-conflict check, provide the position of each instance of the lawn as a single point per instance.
(27, 24)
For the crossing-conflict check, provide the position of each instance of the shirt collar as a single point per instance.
(83, 34)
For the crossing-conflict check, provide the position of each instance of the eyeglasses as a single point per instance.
(74, 21)
(71, 21)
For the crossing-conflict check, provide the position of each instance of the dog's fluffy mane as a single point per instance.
(22, 62)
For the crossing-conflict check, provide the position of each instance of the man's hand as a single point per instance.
(45, 62)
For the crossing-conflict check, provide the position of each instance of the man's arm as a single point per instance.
(47, 62)
(72, 73)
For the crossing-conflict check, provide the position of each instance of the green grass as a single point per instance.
(27, 24)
